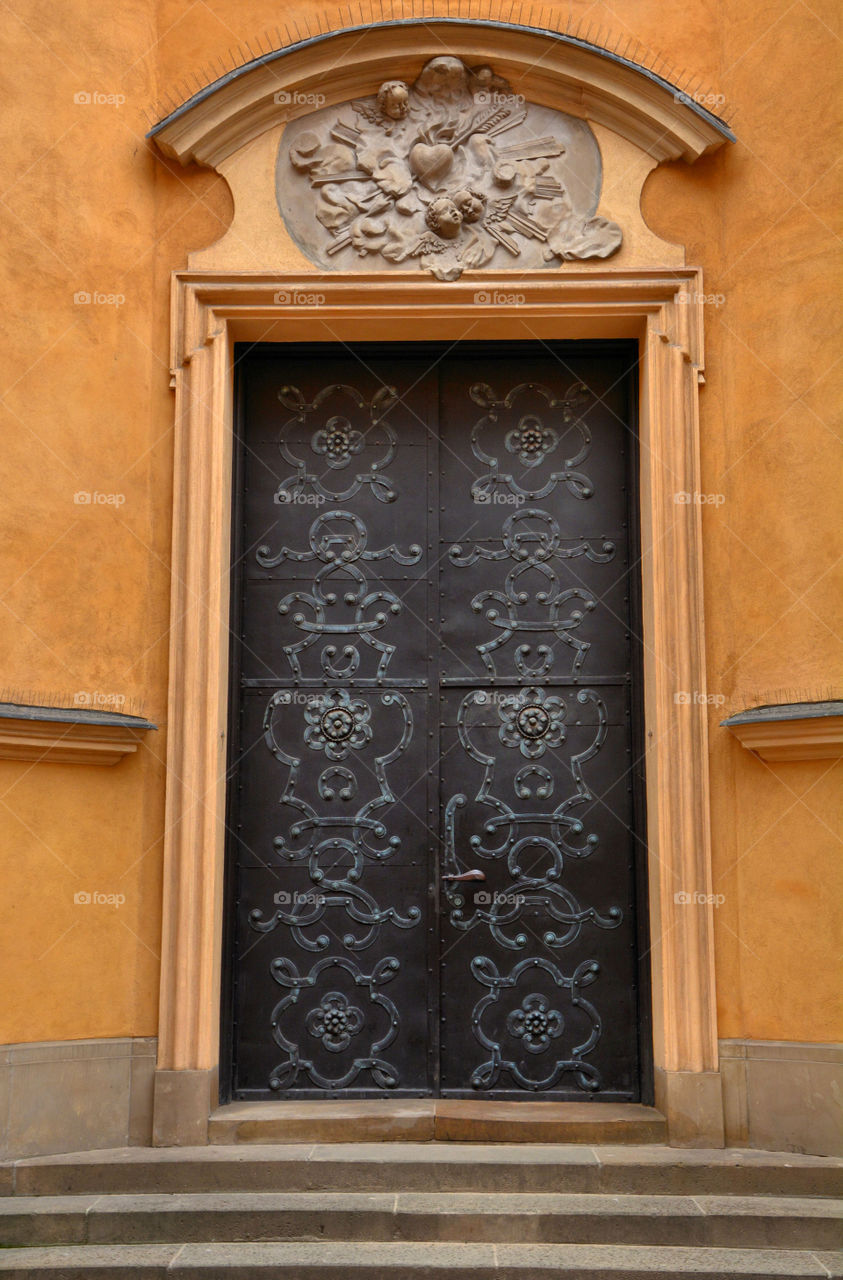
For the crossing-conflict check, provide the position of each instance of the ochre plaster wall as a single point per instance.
(89, 205)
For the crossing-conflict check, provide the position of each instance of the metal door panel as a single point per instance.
(379, 631)
(540, 431)
(448, 686)
(372, 795)
(538, 965)
(546, 940)
(328, 1020)
(298, 529)
(496, 623)
(330, 847)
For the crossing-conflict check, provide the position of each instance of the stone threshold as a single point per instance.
(436, 1119)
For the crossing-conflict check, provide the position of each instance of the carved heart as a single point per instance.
(431, 164)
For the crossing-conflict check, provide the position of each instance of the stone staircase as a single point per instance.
(386, 1211)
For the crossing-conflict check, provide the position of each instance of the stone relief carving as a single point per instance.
(451, 173)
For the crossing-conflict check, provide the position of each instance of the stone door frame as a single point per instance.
(662, 309)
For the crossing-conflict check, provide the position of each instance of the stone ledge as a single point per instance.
(62, 735)
(782, 1051)
(791, 731)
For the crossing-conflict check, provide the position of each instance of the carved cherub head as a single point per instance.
(394, 99)
(443, 79)
(471, 204)
(443, 217)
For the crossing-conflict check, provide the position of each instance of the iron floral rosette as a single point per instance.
(454, 172)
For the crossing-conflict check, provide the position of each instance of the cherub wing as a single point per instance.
(498, 209)
(370, 113)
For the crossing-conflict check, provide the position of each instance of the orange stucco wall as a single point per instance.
(89, 206)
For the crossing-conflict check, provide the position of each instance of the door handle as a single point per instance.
(468, 875)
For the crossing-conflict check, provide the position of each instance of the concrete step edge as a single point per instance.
(799, 1224)
(426, 1202)
(374, 1167)
(326, 1261)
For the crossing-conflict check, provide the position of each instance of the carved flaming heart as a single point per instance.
(431, 164)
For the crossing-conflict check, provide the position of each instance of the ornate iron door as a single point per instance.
(432, 796)
(539, 958)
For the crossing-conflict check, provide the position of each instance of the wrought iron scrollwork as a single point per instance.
(339, 539)
(506, 818)
(338, 725)
(335, 441)
(531, 721)
(531, 440)
(531, 1022)
(533, 540)
(334, 1021)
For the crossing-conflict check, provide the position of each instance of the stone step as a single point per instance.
(706, 1221)
(401, 1261)
(429, 1167)
(436, 1119)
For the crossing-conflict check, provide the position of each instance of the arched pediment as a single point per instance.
(551, 69)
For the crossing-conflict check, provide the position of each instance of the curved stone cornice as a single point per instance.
(551, 69)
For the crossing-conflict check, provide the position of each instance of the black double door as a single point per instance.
(435, 853)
